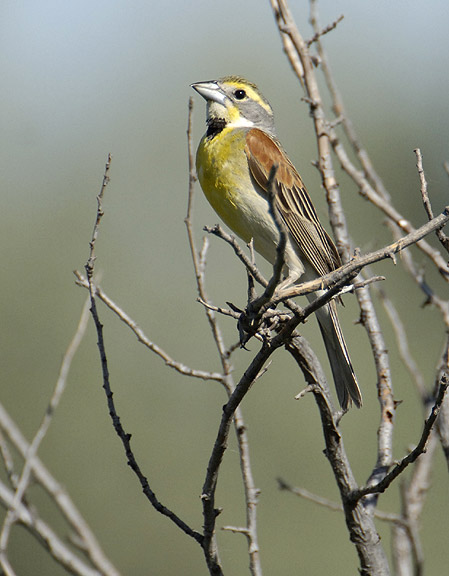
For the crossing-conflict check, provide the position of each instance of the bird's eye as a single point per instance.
(240, 94)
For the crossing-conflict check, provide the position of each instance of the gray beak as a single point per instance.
(210, 91)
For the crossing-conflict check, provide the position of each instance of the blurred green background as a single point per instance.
(83, 79)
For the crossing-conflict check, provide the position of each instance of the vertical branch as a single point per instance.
(210, 483)
(403, 343)
(368, 316)
(370, 186)
(369, 320)
(361, 527)
(339, 108)
(408, 557)
(443, 420)
(250, 490)
(425, 198)
(198, 263)
(298, 47)
(100, 213)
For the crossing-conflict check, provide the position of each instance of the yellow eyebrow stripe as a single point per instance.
(252, 94)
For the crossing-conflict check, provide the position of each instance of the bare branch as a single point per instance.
(352, 268)
(296, 49)
(142, 338)
(48, 537)
(303, 493)
(224, 311)
(335, 506)
(324, 31)
(124, 436)
(423, 181)
(218, 231)
(417, 274)
(402, 341)
(197, 259)
(360, 523)
(235, 529)
(443, 420)
(91, 260)
(251, 492)
(425, 198)
(26, 475)
(369, 182)
(323, 128)
(414, 454)
(34, 471)
(215, 460)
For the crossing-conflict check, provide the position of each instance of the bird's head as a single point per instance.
(237, 103)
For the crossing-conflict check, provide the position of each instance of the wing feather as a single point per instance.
(292, 201)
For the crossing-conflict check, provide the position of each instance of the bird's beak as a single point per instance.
(210, 91)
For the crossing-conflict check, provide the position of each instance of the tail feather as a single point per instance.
(345, 379)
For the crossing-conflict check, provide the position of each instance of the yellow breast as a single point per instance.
(224, 176)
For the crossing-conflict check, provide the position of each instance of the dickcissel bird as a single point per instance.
(233, 163)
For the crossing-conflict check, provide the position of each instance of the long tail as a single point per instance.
(342, 370)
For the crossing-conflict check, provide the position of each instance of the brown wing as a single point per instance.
(292, 201)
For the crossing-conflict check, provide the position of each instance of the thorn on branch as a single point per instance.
(306, 390)
(392, 256)
(311, 102)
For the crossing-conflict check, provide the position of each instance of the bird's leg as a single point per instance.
(291, 279)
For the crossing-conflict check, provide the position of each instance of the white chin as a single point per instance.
(216, 110)
(241, 122)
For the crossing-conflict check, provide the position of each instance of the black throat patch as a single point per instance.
(215, 126)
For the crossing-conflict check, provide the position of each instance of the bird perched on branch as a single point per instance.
(233, 163)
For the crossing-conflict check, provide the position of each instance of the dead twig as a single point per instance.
(413, 455)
